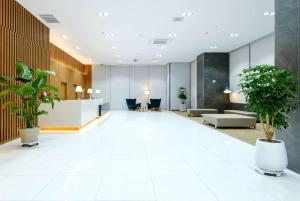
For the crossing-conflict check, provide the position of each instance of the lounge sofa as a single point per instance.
(199, 112)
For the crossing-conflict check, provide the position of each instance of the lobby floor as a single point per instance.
(139, 156)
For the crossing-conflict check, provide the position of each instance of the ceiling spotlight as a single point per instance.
(266, 13)
(172, 35)
(234, 35)
(272, 13)
(103, 14)
(77, 48)
(64, 36)
(164, 47)
(213, 47)
(110, 35)
(186, 14)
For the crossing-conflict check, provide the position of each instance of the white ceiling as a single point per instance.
(135, 23)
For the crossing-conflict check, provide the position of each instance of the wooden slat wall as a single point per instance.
(22, 37)
(69, 71)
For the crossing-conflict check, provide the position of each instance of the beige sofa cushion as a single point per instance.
(199, 112)
(229, 120)
(241, 112)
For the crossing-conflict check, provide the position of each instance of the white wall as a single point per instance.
(119, 87)
(180, 76)
(194, 84)
(120, 82)
(261, 51)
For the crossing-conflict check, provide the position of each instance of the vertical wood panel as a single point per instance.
(25, 38)
(69, 72)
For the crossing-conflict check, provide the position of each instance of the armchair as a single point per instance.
(132, 105)
(154, 104)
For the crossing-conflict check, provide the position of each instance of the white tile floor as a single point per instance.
(153, 156)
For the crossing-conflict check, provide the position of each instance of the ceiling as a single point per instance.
(135, 23)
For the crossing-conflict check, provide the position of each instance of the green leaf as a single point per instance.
(50, 87)
(25, 90)
(24, 74)
(42, 112)
(8, 103)
(40, 82)
(16, 109)
(44, 73)
(4, 93)
(6, 78)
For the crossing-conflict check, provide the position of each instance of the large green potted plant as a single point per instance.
(270, 92)
(32, 90)
(182, 96)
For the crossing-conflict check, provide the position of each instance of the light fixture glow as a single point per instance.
(186, 14)
(110, 35)
(77, 48)
(172, 35)
(78, 89)
(213, 47)
(227, 90)
(103, 14)
(266, 13)
(97, 91)
(64, 36)
(146, 92)
(234, 35)
(272, 13)
(90, 91)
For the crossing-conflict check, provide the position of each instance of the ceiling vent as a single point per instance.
(49, 18)
(160, 41)
(178, 19)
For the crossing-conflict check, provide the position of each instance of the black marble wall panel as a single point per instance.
(237, 106)
(213, 77)
(287, 35)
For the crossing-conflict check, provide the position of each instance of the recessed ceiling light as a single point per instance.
(172, 35)
(213, 47)
(64, 36)
(110, 35)
(164, 47)
(272, 13)
(186, 14)
(103, 14)
(266, 13)
(159, 55)
(234, 34)
(77, 48)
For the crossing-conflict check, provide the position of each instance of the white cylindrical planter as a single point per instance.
(271, 157)
(29, 136)
(182, 107)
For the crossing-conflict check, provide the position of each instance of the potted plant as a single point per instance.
(32, 90)
(270, 92)
(182, 95)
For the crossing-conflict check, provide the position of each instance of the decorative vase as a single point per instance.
(182, 107)
(29, 136)
(270, 157)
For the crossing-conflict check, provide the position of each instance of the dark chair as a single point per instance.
(132, 105)
(154, 104)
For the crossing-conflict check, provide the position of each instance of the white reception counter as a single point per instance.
(69, 114)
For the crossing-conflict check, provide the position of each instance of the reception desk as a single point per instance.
(70, 114)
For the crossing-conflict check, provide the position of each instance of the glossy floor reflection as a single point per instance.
(139, 156)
